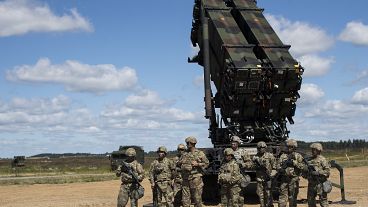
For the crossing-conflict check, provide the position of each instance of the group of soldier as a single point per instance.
(178, 181)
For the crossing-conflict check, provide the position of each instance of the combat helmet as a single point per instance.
(181, 147)
(228, 151)
(261, 144)
(317, 146)
(236, 139)
(130, 152)
(162, 149)
(191, 139)
(291, 143)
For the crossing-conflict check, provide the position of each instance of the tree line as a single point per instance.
(333, 145)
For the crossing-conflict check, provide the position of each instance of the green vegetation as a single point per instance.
(346, 153)
(57, 179)
(55, 170)
(63, 165)
(349, 158)
(356, 144)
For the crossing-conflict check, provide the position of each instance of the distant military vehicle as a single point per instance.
(256, 79)
(118, 156)
(18, 161)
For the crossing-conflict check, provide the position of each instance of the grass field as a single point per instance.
(44, 166)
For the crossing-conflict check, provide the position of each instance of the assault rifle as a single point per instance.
(263, 168)
(267, 177)
(310, 168)
(129, 170)
(155, 192)
(285, 164)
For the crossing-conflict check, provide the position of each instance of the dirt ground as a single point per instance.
(98, 194)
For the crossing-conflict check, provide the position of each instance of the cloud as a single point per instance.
(356, 33)
(36, 115)
(361, 97)
(142, 111)
(62, 126)
(19, 17)
(331, 120)
(304, 38)
(361, 77)
(145, 99)
(194, 50)
(305, 47)
(310, 94)
(315, 65)
(337, 109)
(147, 110)
(76, 76)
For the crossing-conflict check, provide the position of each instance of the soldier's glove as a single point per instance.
(315, 173)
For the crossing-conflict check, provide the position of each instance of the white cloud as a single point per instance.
(315, 65)
(76, 76)
(337, 109)
(19, 17)
(64, 127)
(361, 77)
(194, 50)
(145, 98)
(36, 106)
(361, 97)
(44, 115)
(310, 94)
(142, 111)
(147, 108)
(331, 120)
(356, 33)
(303, 37)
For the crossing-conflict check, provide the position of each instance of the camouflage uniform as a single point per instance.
(244, 161)
(263, 174)
(241, 156)
(290, 166)
(160, 177)
(192, 175)
(178, 180)
(127, 183)
(229, 178)
(316, 178)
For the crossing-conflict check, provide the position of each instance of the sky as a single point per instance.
(88, 76)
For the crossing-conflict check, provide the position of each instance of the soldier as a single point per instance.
(265, 164)
(241, 156)
(317, 176)
(229, 178)
(178, 180)
(290, 166)
(160, 176)
(129, 185)
(244, 161)
(192, 163)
